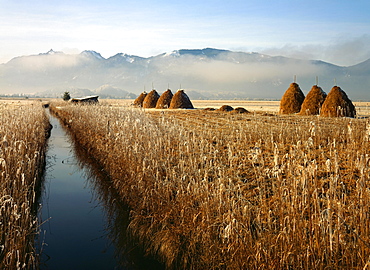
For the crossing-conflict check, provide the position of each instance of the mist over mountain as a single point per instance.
(204, 73)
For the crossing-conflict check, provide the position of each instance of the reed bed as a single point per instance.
(211, 190)
(23, 134)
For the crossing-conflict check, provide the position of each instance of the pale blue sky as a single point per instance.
(334, 31)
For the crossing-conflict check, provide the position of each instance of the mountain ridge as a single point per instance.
(209, 72)
(209, 52)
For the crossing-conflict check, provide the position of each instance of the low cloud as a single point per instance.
(45, 62)
(222, 72)
(342, 51)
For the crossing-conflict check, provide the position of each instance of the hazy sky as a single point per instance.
(333, 31)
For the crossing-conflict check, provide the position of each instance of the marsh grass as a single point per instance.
(209, 190)
(23, 135)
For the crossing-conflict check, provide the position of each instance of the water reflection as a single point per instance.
(129, 253)
(73, 231)
(88, 221)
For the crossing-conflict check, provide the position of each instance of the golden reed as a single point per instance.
(215, 190)
(23, 134)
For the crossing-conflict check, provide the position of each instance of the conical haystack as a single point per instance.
(292, 100)
(313, 101)
(337, 104)
(139, 100)
(151, 99)
(239, 110)
(180, 100)
(164, 100)
(225, 108)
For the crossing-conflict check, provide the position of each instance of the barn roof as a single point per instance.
(85, 98)
(88, 99)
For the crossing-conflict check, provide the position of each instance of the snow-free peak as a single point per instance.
(50, 52)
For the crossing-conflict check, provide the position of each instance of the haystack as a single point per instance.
(225, 108)
(292, 100)
(151, 99)
(313, 101)
(164, 100)
(239, 110)
(139, 100)
(337, 104)
(180, 100)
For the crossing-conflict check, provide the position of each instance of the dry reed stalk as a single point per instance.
(337, 104)
(164, 100)
(292, 100)
(151, 99)
(313, 101)
(23, 133)
(236, 191)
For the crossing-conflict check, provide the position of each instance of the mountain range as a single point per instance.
(203, 73)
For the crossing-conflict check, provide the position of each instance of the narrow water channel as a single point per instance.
(73, 231)
(84, 224)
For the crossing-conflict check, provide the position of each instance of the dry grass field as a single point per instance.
(259, 106)
(216, 190)
(23, 134)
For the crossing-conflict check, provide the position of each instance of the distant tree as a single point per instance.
(66, 96)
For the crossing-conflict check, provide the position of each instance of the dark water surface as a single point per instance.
(74, 231)
(84, 224)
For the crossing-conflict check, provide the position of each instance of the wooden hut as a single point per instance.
(86, 100)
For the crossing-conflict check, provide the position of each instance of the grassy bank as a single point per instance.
(212, 190)
(23, 134)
